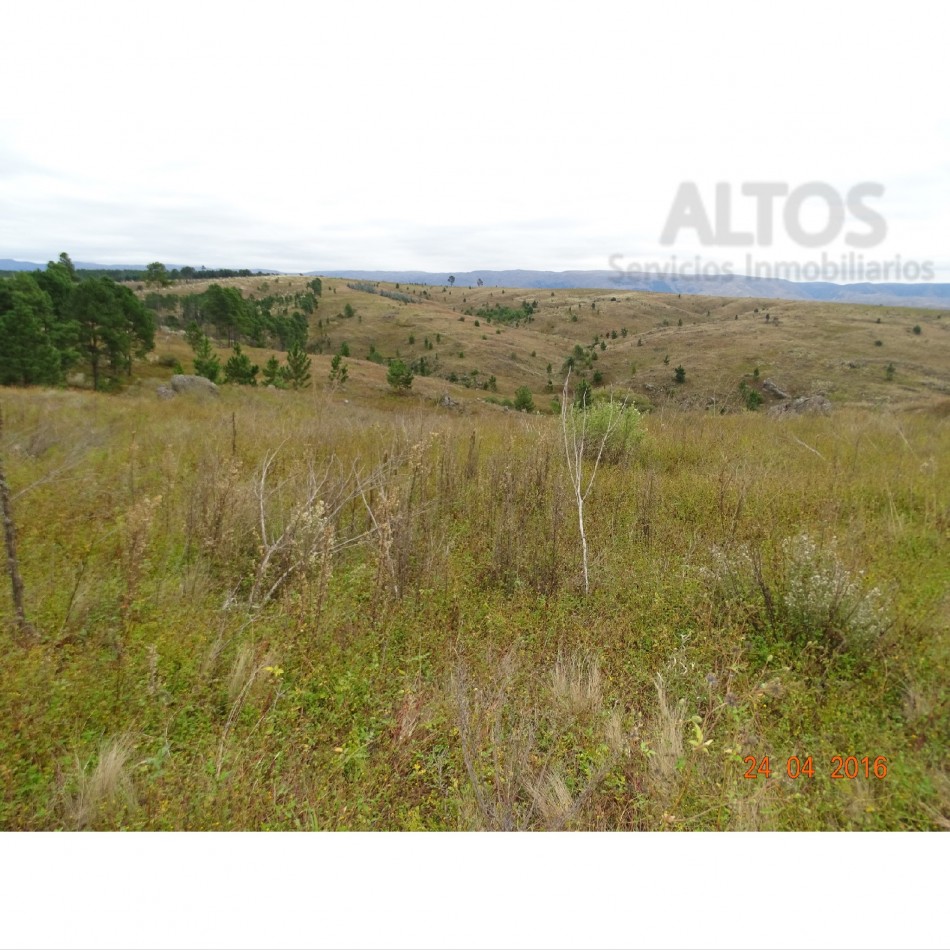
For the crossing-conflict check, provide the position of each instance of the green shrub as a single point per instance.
(616, 426)
(399, 376)
(752, 398)
(524, 401)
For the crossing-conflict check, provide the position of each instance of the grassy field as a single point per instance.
(346, 609)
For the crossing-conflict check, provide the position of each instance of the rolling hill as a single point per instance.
(461, 337)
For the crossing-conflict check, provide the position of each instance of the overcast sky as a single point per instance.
(438, 137)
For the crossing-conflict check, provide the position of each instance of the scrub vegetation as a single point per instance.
(361, 604)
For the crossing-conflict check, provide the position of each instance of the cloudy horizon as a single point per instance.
(385, 138)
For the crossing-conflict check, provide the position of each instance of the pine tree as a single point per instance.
(524, 402)
(227, 310)
(399, 376)
(28, 352)
(239, 369)
(111, 324)
(193, 335)
(297, 371)
(338, 370)
(273, 374)
(206, 360)
(583, 394)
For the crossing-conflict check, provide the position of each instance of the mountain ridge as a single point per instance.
(931, 295)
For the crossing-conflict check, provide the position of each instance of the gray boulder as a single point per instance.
(803, 405)
(165, 392)
(770, 387)
(193, 384)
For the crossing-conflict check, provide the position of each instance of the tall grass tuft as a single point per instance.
(576, 685)
(104, 790)
(536, 761)
(666, 745)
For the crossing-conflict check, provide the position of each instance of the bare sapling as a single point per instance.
(574, 430)
(305, 540)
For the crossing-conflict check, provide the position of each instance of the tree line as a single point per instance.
(239, 368)
(278, 320)
(281, 320)
(54, 320)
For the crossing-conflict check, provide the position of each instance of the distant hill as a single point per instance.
(936, 296)
(6, 264)
(11, 265)
(932, 295)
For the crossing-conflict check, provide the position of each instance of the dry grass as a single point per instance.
(245, 684)
(554, 800)
(244, 671)
(576, 685)
(666, 748)
(513, 746)
(104, 790)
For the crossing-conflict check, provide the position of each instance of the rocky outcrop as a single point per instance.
(193, 384)
(772, 389)
(802, 405)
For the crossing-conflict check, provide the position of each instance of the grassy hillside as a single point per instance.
(349, 609)
(635, 341)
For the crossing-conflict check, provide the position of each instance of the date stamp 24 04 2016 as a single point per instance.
(841, 767)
